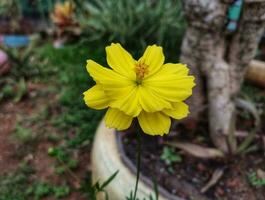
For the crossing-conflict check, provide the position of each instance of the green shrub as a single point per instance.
(134, 23)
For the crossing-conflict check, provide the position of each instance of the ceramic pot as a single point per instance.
(107, 158)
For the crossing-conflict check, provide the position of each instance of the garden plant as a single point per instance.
(132, 99)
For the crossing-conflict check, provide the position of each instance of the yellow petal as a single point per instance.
(180, 110)
(154, 123)
(177, 68)
(150, 102)
(114, 84)
(171, 82)
(96, 98)
(120, 60)
(115, 118)
(154, 58)
(129, 103)
(103, 74)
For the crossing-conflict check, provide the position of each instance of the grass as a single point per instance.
(14, 185)
(72, 80)
(18, 186)
(66, 73)
(70, 62)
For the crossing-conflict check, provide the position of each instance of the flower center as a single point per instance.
(141, 71)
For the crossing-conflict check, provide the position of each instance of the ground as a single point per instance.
(32, 150)
(46, 134)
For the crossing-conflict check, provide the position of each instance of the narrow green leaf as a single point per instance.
(109, 180)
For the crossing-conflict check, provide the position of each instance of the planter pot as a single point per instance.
(107, 157)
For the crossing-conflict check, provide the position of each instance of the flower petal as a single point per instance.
(151, 102)
(154, 123)
(117, 119)
(180, 110)
(154, 58)
(96, 98)
(129, 103)
(177, 68)
(114, 84)
(121, 61)
(171, 82)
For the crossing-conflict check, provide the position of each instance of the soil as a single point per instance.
(13, 152)
(186, 178)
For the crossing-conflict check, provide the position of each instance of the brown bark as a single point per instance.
(243, 45)
(219, 59)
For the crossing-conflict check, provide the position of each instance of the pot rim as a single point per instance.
(129, 164)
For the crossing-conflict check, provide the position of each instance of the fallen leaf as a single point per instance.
(217, 174)
(197, 150)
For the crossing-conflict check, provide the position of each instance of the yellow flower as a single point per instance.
(147, 89)
(63, 14)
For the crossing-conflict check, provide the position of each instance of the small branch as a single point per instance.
(217, 175)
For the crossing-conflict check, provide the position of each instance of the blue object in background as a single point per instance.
(15, 40)
(231, 25)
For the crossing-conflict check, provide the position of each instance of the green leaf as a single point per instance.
(109, 180)
(21, 90)
(169, 156)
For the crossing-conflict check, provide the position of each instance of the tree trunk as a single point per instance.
(219, 59)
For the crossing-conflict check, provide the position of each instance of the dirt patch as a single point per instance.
(7, 160)
(35, 153)
(9, 114)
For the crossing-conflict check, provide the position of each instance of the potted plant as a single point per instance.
(211, 167)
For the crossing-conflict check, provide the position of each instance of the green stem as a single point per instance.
(139, 152)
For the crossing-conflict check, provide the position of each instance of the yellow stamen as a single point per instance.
(141, 71)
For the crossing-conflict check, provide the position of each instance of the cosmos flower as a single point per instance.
(146, 89)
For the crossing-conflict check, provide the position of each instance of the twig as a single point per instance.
(217, 174)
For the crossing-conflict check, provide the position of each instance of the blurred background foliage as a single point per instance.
(134, 23)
